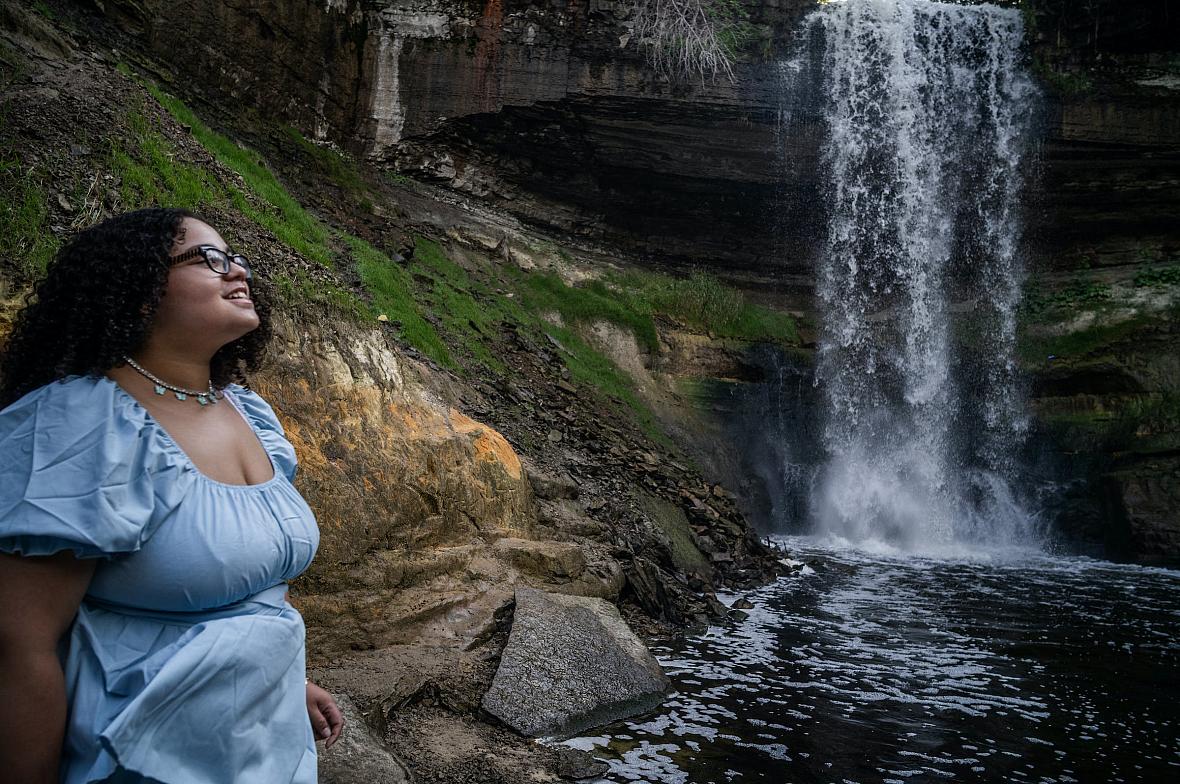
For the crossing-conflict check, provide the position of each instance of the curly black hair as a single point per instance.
(96, 303)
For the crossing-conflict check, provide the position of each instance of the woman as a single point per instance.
(148, 524)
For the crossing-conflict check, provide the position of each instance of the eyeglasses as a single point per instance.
(218, 260)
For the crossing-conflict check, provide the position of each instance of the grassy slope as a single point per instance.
(435, 305)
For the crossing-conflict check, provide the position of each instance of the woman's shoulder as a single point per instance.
(78, 471)
(255, 407)
(72, 398)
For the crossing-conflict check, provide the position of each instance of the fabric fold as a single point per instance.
(82, 473)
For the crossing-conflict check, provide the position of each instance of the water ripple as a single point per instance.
(876, 668)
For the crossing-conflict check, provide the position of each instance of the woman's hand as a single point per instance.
(326, 719)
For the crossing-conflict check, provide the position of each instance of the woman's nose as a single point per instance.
(236, 272)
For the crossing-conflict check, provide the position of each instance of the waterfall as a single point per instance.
(926, 115)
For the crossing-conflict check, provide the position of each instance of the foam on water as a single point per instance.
(880, 667)
(928, 112)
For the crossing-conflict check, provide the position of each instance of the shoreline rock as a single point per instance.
(571, 664)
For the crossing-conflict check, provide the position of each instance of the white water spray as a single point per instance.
(928, 114)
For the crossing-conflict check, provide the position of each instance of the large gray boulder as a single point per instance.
(359, 756)
(571, 663)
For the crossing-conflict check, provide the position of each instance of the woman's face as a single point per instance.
(202, 308)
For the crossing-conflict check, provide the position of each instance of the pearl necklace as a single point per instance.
(202, 397)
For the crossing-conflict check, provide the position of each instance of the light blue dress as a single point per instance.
(185, 664)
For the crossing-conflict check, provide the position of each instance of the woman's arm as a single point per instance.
(39, 598)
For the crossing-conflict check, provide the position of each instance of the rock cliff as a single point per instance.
(547, 118)
(550, 112)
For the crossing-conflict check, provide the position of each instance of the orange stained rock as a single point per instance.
(489, 444)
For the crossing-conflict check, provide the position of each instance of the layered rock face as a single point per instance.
(551, 112)
(1105, 385)
(1110, 187)
(547, 111)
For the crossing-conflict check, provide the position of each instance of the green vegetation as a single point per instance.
(283, 216)
(1066, 82)
(434, 303)
(1159, 275)
(670, 520)
(735, 33)
(26, 243)
(1140, 422)
(1079, 292)
(330, 164)
(151, 172)
(590, 367)
(703, 302)
(44, 10)
(632, 300)
(1152, 415)
(1084, 341)
(392, 291)
(586, 304)
(468, 309)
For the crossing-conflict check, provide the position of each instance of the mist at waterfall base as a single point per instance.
(926, 112)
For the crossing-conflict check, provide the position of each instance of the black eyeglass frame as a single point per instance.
(209, 253)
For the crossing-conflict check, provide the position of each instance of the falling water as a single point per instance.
(927, 113)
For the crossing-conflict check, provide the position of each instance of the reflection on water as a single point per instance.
(876, 668)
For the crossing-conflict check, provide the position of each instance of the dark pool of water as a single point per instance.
(877, 668)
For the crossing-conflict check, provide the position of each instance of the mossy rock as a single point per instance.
(672, 523)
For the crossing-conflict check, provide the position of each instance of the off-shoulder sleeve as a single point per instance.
(270, 431)
(78, 471)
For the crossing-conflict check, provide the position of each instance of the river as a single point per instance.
(876, 667)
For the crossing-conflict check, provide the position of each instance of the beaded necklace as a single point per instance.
(202, 397)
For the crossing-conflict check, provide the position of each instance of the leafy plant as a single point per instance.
(1161, 275)
(1077, 292)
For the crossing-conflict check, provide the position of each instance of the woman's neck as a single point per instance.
(191, 372)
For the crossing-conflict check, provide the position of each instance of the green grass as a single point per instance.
(150, 172)
(1155, 414)
(330, 164)
(298, 288)
(471, 314)
(702, 302)
(1132, 423)
(26, 243)
(590, 367)
(1158, 275)
(1078, 292)
(633, 300)
(433, 294)
(284, 217)
(391, 290)
(586, 304)
(1082, 342)
(468, 310)
(44, 10)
